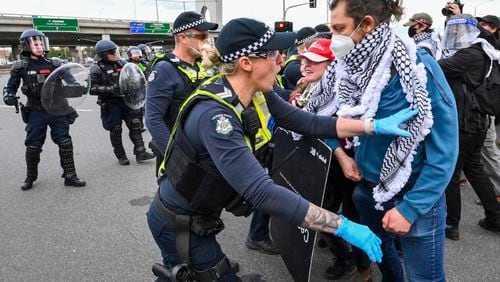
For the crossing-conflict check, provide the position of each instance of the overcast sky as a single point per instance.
(264, 10)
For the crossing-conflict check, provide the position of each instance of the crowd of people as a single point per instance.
(406, 122)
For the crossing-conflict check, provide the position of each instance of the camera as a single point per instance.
(446, 11)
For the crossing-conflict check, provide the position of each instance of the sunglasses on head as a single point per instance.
(199, 36)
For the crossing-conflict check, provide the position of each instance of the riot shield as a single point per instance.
(301, 166)
(65, 89)
(133, 86)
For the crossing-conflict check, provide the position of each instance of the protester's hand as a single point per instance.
(361, 237)
(396, 223)
(390, 124)
(455, 8)
(348, 165)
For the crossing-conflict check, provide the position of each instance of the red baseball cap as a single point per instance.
(319, 51)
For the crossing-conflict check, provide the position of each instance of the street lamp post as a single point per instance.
(157, 17)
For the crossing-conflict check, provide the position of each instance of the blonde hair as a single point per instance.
(211, 59)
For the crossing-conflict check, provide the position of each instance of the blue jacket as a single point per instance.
(164, 83)
(436, 157)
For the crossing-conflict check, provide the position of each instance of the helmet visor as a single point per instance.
(459, 34)
(135, 53)
(37, 45)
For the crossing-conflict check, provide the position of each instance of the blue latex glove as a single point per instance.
(361, 237)
(390, 124)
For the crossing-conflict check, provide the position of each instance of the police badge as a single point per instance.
(223, 125)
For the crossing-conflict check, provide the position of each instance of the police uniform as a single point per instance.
(210, 165)
(33, 73)
(105, 84)
(170, 82)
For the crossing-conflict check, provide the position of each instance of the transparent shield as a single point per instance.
(133, 86)
(65, 89)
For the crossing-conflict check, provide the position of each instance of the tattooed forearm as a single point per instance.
(321, 219)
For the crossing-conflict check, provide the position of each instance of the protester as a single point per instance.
(401, 193)
(419, 28)
(465, 71)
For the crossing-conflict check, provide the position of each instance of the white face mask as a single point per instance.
(342, 44)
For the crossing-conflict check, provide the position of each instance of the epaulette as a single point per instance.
(18, 65)
(95, 69)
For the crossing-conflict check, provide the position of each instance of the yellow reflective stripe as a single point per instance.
(292, 58)
(194, 75)
(279, 79)
(263, 135)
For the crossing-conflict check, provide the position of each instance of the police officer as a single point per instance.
(209, 163)
(135, 56)
(147, 55)
(33, 71)
(104, 76)
(292, 74)
(174, 76)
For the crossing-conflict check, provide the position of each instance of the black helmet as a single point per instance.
(31, 38)
(104, 46)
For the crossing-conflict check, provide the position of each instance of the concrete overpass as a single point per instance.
(91, 29)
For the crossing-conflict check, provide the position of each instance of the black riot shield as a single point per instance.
(301, 166)
(65, 89)
(133, 86)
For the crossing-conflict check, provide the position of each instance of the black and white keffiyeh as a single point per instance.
(351, 88)
(429, 41)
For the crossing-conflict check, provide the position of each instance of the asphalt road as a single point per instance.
(99, 232)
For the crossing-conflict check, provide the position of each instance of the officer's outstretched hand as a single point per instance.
(390, 124)
(361, 237)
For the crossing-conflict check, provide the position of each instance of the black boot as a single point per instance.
(74, 181)
(139, 149)
(32, 160)
(68, 164)
(115, 135)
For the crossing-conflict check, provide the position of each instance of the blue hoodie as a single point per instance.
(436, 156)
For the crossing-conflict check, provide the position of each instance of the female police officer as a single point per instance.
(209, 162)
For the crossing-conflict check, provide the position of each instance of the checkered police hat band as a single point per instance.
(188, 26)
(311, 37)
(249, 49)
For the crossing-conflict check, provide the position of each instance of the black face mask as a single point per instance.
(412, 31)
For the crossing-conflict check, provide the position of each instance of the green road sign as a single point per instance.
(48, 24)
(157, 27)
(147, 27)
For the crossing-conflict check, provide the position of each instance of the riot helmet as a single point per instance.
(147, 53)
(134, 54)
(461, 31)
(104, 47)
(33, 42)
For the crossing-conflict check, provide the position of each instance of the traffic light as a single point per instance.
(312, 3)
(283, 26)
